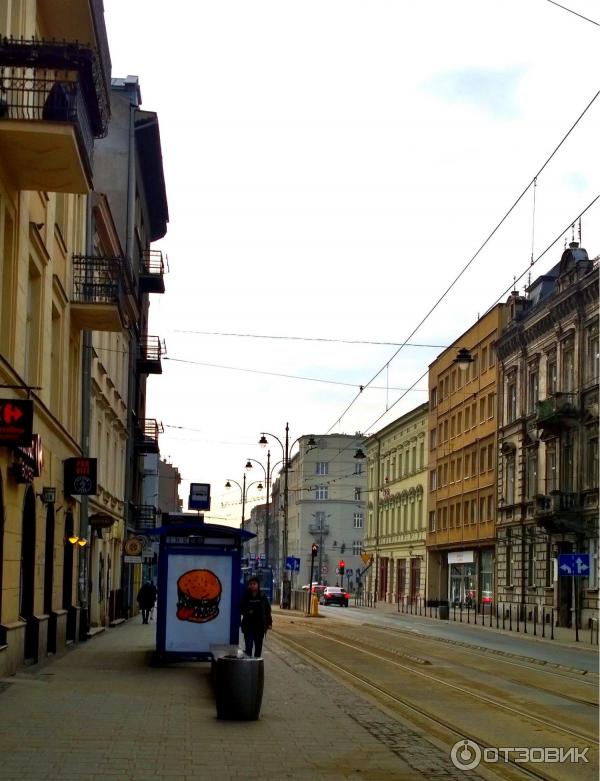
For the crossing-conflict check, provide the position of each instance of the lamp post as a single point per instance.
(268, 473)
(244, 492)
(286, 450)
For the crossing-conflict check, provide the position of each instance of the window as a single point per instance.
(452, 427)
(511, 401)
(481, 410)
(413, 511)
(321, 492)
(509, 559)
(358, 468)
(473, 510)
(482, 509)
(474, 414)
(393, 467)
(322, 468)
(532, 391)
(414, 459)
(459, 468)
(486, 573)
(433, 480)
(551, 376)
(452, 516)
(490, 508)
(445, 431)
(319, 519)
(433, 439)
(591, 471)
(432, 520)
(549, 565)
(452, 471)
(482, 461)
(356, 547)
(490, 456)
(592, 364)
(492, 354)
(400, 464)
(551, 481)
(566, 462)
(484, 358)
(467, 418)
(358, 520)
(357, 494)
(531, 487)
(530, 564)
(568, 368)
(457, 514)
(433, 398)
(445, 471)
(490, 404)
(444, 518)
(422, 455)
(459, 423)
(453, 381)
(509, 496)
(32, 325)
(473, 463)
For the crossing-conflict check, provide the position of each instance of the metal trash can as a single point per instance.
(239, 683)
(444, 611)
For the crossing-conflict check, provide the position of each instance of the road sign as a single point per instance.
(199, 498)
(575, 564)
(16, 422)
(292, 563)
(366, 557)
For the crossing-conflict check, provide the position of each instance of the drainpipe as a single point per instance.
(86, 413)
(376, 560)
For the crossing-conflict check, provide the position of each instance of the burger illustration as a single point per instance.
(199, 593)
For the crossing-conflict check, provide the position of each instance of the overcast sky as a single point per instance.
(331, 165)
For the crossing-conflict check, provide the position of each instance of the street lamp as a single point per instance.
(268, 473)
(463, 359)
(244, 492)
(286, 450)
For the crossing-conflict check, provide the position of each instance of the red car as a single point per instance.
(334, 595)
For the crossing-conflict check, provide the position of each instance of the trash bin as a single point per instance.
(444, 611)
(239, 684)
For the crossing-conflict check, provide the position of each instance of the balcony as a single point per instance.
(97, 292)
(317, 530)
(559, 512)
(152, 270)
(52, 106)
(149, 356)
(146, 436)
(144, 516)
(557, 412)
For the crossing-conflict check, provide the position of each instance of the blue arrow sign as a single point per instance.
(292, 563)
(575, 564)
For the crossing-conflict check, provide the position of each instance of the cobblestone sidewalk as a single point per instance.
(102, 712)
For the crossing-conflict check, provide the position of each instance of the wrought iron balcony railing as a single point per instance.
(97, 280)
(152, 270)
(144, 516)
(559, 511)
(557, 405)
(151, 350)
(146, 435)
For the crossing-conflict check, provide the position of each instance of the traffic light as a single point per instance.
(314, 549)
(341, 567)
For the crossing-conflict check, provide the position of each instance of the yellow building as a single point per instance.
(462, 466)
(396, 515)
(54, 101)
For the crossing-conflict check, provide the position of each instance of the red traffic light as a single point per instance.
(342, 564)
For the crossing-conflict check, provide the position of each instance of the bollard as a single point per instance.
(497, 622)
(525, 620)
(468, 613)
(552, 624)
(454, 611)
(543, 621)
(518, 616)
(314, 605)
(510, 617)
(460, 611)
(535, 620)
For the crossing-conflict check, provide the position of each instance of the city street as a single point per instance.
(459, 690)
(553, 652)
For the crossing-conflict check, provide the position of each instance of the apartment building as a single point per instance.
(548, 444)
(327, 499)
(463, 444)
(397, 471)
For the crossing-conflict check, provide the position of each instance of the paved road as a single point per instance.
(509, 642)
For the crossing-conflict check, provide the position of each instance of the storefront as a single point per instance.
(470, 577)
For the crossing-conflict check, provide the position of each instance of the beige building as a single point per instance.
(463, 442)
(54, 102)
(396, 508)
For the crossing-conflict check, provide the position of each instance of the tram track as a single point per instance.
(518, 770)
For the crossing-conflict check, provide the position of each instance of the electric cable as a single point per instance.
(307, 339)
(472, 259)
(581, 16)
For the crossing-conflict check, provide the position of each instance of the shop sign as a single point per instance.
(81, 476)
(29, 461)
(199, 498)
(461, 557)
(16, 422)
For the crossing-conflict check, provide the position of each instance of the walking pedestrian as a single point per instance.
(255, 612)
(146, 598)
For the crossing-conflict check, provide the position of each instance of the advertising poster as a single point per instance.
(198, 603)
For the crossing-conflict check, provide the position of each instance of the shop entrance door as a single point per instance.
(463, 584)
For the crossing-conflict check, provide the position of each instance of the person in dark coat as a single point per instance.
(256, 617)
(146, 598)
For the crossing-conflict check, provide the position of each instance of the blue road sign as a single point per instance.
(292, 563)
(576, 564)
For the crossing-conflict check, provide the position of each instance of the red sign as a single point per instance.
(80, 476)
(16, 422)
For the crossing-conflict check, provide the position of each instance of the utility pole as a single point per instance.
(268, 482)
(286, 459)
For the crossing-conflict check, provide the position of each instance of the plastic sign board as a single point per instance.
(198, 602)
(16, 422)
(575, 564)
(292, 563)
(199, 498)
(81, 476)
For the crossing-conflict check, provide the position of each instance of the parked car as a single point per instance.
(334, 595)
(317, 588)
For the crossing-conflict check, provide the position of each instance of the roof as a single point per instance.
(147, 135)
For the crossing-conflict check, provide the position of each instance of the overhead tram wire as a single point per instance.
(308, 339)
(277, 374)
(570, 10)
(473, 258)
(508, 289)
